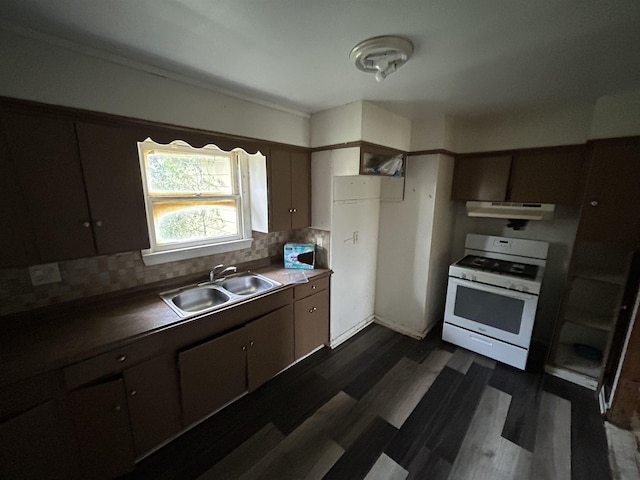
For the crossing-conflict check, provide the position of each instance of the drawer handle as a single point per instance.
(122, 358)
(481, 340)
(311, 310)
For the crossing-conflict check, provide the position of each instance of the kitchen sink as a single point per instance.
(246, 284)
(208, 296)
(198, 299)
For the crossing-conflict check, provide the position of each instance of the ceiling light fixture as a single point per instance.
(381, 55)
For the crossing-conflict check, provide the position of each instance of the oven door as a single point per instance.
(496, 312)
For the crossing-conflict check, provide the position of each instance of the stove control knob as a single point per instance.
(463, 275)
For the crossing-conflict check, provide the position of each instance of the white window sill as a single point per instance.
(157, 258)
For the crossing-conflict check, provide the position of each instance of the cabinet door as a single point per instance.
(300, 190)
(610, 209)
(547, 176)
(212, 374)
(17, 242)
(101, 424)
(44, 155)
(154, 403)
(279, 188)
(34, 444)
(112, 175)
(270, 345)
(481, 178)
(311, 323)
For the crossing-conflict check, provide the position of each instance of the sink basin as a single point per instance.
(204, 297)
(198, 299)
(246, 284)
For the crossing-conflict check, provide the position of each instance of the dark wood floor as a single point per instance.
(385, 406)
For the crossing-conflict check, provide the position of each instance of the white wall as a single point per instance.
(432, 133)
(528, 128)
(34, 70)
(413, 248)
(441, 241)
(337, 125)
(616, 116)
(385, 128)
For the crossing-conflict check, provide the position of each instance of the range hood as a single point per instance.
(511, 210)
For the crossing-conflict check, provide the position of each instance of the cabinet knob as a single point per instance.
(295, 210)
(117, 408)
(122, 358)
(98, 223)
(86, 224)
(593, 203)
(291, 210)
(133, 393)
(623, 307)
(244, 348)
(311, 310)
(251, 343)
(313, 287)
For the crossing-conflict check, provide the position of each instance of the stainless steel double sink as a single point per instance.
(208, 296)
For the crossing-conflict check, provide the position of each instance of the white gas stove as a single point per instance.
(492, 296)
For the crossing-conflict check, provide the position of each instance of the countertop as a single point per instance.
(63, 337)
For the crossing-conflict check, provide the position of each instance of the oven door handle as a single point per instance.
(506, 292)
(481, 340)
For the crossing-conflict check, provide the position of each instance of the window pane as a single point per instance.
(175, 173)
(185, 221)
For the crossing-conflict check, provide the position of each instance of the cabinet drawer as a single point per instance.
(311, 287)
(109, 363)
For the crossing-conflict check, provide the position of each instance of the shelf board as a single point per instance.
(567, 359)
(599, 275)
(588, 319)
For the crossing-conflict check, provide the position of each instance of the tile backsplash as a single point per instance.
(88, 277)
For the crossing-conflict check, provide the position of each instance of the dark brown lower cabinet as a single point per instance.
(101, 424)
(215, 372)
(34, 444)
(270, 348)
(153, 401)
(212, 374)
(311, 323)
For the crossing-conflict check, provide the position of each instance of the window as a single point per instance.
(196, 200)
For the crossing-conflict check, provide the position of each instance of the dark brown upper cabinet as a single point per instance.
(481, 178)
(75, 189)
(289, 189)
(610, 203)
(541, 175)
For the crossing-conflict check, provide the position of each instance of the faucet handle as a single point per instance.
(217, 268)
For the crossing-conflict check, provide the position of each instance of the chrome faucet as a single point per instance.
(220, 271)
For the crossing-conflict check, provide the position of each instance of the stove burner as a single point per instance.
(523, 270)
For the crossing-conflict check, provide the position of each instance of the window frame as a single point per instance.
(162, 253)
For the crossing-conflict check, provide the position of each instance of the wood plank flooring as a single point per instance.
(385, 406)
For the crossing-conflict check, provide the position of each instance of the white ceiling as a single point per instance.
(472, 57)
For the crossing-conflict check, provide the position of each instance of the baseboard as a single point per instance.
(343, 337)
(417, 334)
